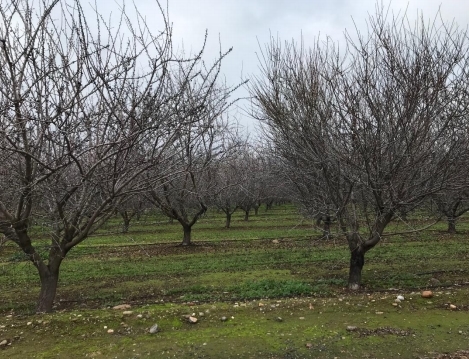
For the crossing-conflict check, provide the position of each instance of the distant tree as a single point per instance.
(226, 187)
(452, 204)
(357, 132)
(202, 141)
(251, 172)
(131, 208)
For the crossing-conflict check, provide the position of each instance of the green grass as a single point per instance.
(241, 273)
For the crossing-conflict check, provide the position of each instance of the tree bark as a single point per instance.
(125, 225)
(49, 276)
(246, 216)
(357, 260)
(326, 230)
(451, 225)
(256, 210)
(186, 241)
(228, 220)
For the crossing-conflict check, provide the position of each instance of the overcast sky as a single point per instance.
(244, 24)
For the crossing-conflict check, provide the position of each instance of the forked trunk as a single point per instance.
(357, 260)
(187, 236)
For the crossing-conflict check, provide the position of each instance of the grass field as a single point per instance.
(267, 288)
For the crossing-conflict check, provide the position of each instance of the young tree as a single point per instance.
(358, 132)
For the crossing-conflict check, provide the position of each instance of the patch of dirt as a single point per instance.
(166, 249)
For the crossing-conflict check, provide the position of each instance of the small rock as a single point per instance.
(29, 323)
(139, 316)
(279, 319)
(3, 343)
(427, 294)
(309, 345)
(395, 304)
(192, 320)
(154, 328)
(351, 328)
(223, 319)
(127, 312)
(122, 307)
(275, 241)
(397, 300)
(452, 307)
(400, 297)
(261, 304)
(110, 331)
(302, 318)
(379, 313)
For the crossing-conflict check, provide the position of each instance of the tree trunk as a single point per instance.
(125, 225)
(246, 216)
(326, 230)
(187, 236)
(357, 260)
(326, 225)
(228, 220)
(256, 210)
(126, 218)
(451, 225)
(49, 276)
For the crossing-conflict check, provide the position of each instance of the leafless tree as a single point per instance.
(225, 191)
(452, 204)
(202, 141)
(251, 188)
(76, 129)
(359, 130)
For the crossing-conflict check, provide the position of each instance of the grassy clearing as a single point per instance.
(275, 259)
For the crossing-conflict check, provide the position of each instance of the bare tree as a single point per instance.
(359, 130)
(452, 204)
(225, 191)
(75, 125)
(203, 139)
